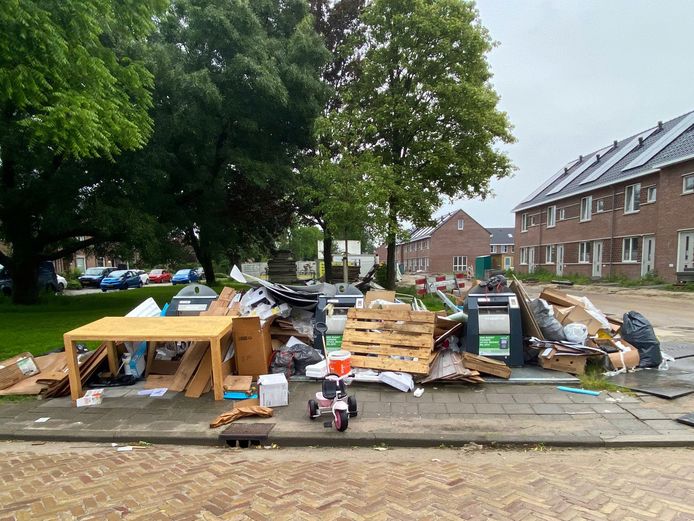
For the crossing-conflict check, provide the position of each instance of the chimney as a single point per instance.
(614, 143)
(660, 125)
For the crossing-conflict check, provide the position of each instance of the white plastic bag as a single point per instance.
(576, 332)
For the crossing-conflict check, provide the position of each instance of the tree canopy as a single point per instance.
(72, 87)
(422, 102)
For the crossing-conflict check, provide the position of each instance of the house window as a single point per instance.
(492, 249)
(524, 222)
(524, 255)
(599, 206)
(632, 198)
(504, 249)
(586, 208)
(461, 224)
(549, 253)
(562, 214)
(584, 252)
(460, 263)
(426, 244)
(651, 193)
(427, 263)
(421, 245)
(551, 216)
(630, 249)
(688, 184)
(80, 263)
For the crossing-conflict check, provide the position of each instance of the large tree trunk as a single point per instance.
(391, 238)
(328, 255)
(24, 262)
(202, 254)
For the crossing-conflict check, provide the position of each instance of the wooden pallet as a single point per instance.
(375, 336)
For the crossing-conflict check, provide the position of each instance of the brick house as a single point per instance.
(626, 209)
(450, 246)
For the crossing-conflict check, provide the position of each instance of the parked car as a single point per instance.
(143, 276)
(46, 278)
(185, 276)
(160, 275)
(121, 279)
(62, 282)
(94, 276)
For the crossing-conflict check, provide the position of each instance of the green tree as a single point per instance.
(71, 88)
(237, 92)
(422, 102)
(302, 241)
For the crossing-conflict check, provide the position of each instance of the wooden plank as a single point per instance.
(202, 376)
(156, 381)
(378, 294)
(486, 365)
(364, 325)
(383, 349)
(238, 383)
(426, 317)
(189, 363)
(390, 338)
(391, 364)
(530, 325)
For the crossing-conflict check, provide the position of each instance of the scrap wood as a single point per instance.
(158, 381)
(52, 363)
(88, 367)
(220, 306)
(530, 325)
(242, 409)
(202, 376)
(237, 383)
(448, 365)
(486, 365)
(189, 363)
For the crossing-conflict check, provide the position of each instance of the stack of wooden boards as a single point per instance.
(193, 374)
(390, 339)
(225, 305)
(52, 380)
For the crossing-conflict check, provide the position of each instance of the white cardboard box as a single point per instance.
(273, 390)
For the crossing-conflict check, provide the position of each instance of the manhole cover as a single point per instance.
(253, 432)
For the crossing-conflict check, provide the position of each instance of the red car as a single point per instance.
(160, 276)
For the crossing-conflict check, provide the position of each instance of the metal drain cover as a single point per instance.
(246, 432)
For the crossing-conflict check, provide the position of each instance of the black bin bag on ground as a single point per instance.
(638, 331)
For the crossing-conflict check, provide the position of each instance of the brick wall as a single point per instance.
(671, 212)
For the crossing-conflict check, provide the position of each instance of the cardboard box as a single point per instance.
(561, 312)
(559, 298)
(91, 397)
(581, 316)
(16, 369)
(628, 353)
(572, 364)
(273, 390)
(253, 346)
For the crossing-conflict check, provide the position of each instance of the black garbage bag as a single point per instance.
(551, 328)
(292, 360)
(638, 331)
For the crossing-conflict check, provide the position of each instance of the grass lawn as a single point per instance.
(40, 328)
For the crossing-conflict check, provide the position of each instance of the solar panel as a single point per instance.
(667, 138)
(617, 157)
(579, 170)
(549, 182)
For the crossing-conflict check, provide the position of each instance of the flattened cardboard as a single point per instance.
(253, 346)
(559, 298)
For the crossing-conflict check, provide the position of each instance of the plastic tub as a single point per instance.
(340, 362)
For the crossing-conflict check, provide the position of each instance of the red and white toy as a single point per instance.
(333, 399)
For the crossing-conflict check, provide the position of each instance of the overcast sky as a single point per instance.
(574, 75)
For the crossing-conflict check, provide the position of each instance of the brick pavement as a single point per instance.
(444, 414)
(63, 481)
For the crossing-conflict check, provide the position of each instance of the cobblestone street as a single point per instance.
(95, 482)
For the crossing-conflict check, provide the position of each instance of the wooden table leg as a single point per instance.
(73, 369)
(217, 378)
(151, 352)
(113, 365)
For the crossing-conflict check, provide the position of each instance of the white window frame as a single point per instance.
(492, 248)
(461, 224)
(550, 253)
(427, 263)
(504, 248)
(524, 256)
(524, 222)
(426, 245)
(685, 180)
(551, 216)
(632, 198)
(562, 214)
(632, 250)
(599, 206)
(651, 194)
(586, 209)
(459, 263)
(584, 252)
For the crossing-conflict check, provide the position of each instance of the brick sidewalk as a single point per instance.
(96, 483)
(444, 414)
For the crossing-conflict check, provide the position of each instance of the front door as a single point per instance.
(685, 255)
(560, 259)
(648, 255)
(531, 260)
(597, 259)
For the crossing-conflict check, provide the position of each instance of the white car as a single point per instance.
(62, 283)
(144, 277)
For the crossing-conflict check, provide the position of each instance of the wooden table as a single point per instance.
(150, 329)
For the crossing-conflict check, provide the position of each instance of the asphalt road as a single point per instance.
(96, 482)
(87, 291)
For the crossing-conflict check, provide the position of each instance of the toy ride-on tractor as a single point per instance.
(333, 399)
